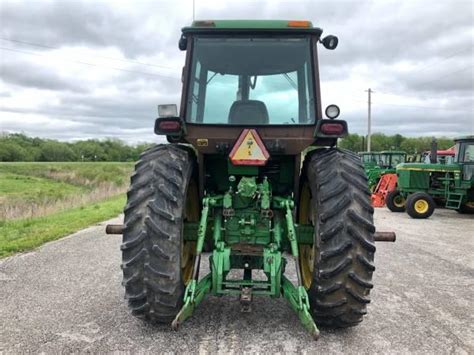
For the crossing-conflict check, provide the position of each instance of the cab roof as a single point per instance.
(284, 26)
(464, 138)
(392, 152)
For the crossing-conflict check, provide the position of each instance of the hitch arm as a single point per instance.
(196, 290)
(297, 296)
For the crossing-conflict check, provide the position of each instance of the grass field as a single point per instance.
(40, 202)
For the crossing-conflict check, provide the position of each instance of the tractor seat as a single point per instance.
(252, 112)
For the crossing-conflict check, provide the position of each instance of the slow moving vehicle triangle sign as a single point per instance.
(249, 149)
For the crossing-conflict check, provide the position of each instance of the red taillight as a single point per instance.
(169, 126)
(332, 129)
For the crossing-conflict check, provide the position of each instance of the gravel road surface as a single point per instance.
(67, 296)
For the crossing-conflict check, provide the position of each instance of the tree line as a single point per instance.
(380, 141)
(19, 147)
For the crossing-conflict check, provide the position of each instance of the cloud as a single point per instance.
(100, 68)
(133, 29)
(34, 75)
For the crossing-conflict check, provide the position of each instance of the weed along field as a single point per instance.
(40, 202)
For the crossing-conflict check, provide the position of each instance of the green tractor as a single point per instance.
(369, 159)
(423, 186)
(234, 180)
(377, 164)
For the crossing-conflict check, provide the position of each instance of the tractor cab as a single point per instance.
(390, 159)
(464, 156)
(443, 156)
(260, 74)
(369, 159)
(385, 163)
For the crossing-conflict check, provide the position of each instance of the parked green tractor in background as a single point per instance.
(422, 186)
(234, 177)
(369, 159)
(377, 164)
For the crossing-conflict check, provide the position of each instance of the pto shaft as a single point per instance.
(385, 236)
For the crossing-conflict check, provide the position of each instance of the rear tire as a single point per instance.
(420, 205)
(152, 249)
(395, 201)
(343, 250)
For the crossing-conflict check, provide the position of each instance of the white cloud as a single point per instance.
(99, 68)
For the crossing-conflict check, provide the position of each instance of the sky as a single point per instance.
(73, 70)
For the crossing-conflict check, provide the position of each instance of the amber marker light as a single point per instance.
(299, 24)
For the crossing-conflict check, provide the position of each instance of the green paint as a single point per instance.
(247, 236)
(264, 192)
(298, 299)
(247, 187)
(242, 170)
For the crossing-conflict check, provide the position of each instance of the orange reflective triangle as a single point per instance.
(249, 149)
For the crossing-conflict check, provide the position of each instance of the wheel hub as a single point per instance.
(399, 201)
(421, 206)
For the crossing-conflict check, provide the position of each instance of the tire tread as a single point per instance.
(151, 248)
(344, 236)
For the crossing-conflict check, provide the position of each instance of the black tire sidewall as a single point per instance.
(163, 175)
(341, 282)
(390, 202)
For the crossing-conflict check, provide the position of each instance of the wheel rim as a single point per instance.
(306, 251)
(188, 248)
(421, 206)
(399, 201)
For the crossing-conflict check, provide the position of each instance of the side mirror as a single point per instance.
(183, 43)
(330, 42)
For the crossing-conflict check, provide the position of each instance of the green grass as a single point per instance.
(33, 189)
(14, 187)
(40, 202)
(27, 234)
(82, 174)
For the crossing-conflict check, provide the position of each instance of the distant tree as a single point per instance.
(90, 150)
(445, 143)
(397, 141)
(12, 151)
(19, 147)
(352, 142)
(410, 146)
(115, 150)
(56, 151)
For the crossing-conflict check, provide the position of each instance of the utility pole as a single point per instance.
(369, 119)
(194, 9)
